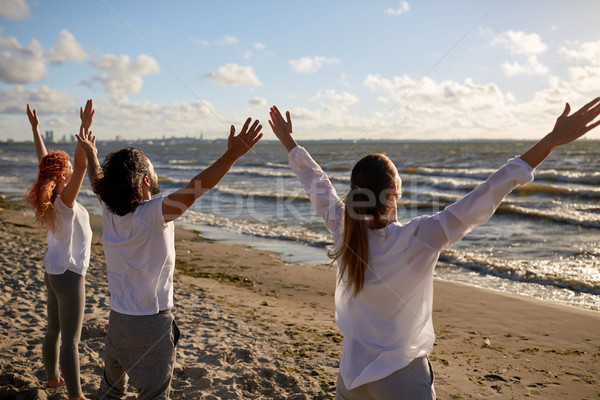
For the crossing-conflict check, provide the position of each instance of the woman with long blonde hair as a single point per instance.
(53, 197)
(384, 291)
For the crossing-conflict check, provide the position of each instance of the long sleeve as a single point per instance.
(458, 219)
(318, 188)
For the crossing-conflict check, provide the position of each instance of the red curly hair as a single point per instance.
(40, 195)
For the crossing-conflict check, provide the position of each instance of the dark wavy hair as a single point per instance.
(373, 181)
(121, 184)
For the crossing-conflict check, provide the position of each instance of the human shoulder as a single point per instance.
(150, 212)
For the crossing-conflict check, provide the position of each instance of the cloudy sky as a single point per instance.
(427, 69)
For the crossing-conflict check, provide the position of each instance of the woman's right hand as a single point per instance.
(282, 128)
(567, 129)
(33, 118)
(87, 141)
(571, 127)
(87, 114)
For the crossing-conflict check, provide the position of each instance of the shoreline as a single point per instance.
(254, 326)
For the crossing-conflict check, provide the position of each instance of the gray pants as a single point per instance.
(413, 382)
(66, 303)
(140, 349)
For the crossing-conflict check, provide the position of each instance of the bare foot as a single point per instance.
(54, 383)
(80, 397)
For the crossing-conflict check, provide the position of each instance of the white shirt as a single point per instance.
(140, 259)
(70, 242)
(388, 324)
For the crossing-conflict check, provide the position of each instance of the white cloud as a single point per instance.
(224, 41)
(14, 10)
(121, 116)
(227, 40)
(403, 7)
(520, 42)
(43, 98)
(483, 31)
(311, 64)
(20, 64)
(201, 42)
(337, 99)
(258, 49)
(532, 67)
(587, 52)
(234, 75)
(344, 79)
(258, 101)
(123, 76)
(428, 95)
(303, 113)
(66, 48)
(585, 79)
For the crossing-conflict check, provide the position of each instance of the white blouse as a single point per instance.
(70, 242)
(388, 324)
(140, 259)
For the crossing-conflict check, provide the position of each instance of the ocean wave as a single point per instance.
(587, 178)
(566, 273)
(584, 215)
(471, 173)
(553, 190)
(276, 196)
(294, 233)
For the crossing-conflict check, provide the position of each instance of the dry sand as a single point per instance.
(255, 327)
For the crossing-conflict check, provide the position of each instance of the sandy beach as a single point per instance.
(255, 327)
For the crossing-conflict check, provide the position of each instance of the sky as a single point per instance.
(360, 70)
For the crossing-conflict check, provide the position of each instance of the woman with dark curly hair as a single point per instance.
(121, 185)
(53, 198)
(139, 246)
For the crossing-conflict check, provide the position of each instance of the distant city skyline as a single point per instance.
(391, 70)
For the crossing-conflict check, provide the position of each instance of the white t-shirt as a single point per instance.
(388, 324)
(69, 244)
(140, 259)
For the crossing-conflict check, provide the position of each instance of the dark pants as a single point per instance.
(140, 349)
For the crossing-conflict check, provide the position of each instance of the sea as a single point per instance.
(542, 242)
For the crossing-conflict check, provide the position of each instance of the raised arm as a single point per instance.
(315, 181)
(87, 141)
(451, 224)
(177, 203)
(70, 192)
(38, 142)
(567, 129)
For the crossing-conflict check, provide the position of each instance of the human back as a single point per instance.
(140, 258)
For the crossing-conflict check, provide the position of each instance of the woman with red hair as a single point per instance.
(53, 198)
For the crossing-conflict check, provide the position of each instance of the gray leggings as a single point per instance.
(66, 303)
(413, 382)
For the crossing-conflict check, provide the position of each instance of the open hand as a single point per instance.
(33, 118)
(87, 141)
(282, 128)
(240, 144)
(570, 127)
(87, 115)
